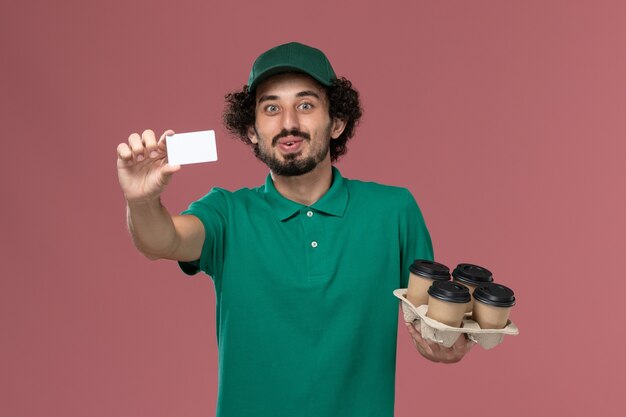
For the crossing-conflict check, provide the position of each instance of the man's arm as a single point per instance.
(144, 173)
(157, 234)
(418, 245)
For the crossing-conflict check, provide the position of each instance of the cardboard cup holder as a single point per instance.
(446, 335)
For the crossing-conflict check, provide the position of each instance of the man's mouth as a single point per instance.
(290, 136)
(290, 144)
(289, 141)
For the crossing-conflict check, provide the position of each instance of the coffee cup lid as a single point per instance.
(430, 269)
(449, 291)
(495, 294)
(472, 274)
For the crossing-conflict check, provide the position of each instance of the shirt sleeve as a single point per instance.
(416, 242)
(212, 210)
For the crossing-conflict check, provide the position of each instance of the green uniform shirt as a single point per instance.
(306, 318)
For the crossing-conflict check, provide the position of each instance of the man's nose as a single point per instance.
(290, 119)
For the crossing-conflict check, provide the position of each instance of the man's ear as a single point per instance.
(337, 128)
(252, 135)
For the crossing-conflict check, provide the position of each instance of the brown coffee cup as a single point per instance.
(447, 301)
(472, 276)
(422, 274)
(492, 306)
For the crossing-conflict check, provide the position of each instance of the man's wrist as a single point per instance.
(150, 203)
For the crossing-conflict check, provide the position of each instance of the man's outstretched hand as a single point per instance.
(142, 166)
(439, 353)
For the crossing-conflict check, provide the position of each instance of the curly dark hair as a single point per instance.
(344, 104)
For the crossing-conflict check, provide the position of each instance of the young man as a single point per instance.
(303, 266)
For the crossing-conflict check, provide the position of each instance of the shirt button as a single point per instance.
(309, 213)
(314, 244)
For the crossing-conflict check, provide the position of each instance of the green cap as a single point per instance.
(292, 56)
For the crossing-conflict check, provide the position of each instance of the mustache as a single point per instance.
(293, 132)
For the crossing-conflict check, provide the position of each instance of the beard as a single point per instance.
(292, 164)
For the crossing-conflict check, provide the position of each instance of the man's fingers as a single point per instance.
(149, 142)
(170, 169)
(463, 344)
(455, 353)
(168, 132)
(421, 344)
(136, 146)
(124, 153)
(161, 143)
(412, 330)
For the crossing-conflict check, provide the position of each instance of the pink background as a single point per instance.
(505, 119)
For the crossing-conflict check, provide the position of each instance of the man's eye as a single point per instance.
(271, 108)
(306, 106)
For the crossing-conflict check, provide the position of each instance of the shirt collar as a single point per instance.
(333, 202)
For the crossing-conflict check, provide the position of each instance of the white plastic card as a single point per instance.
(191, 147)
